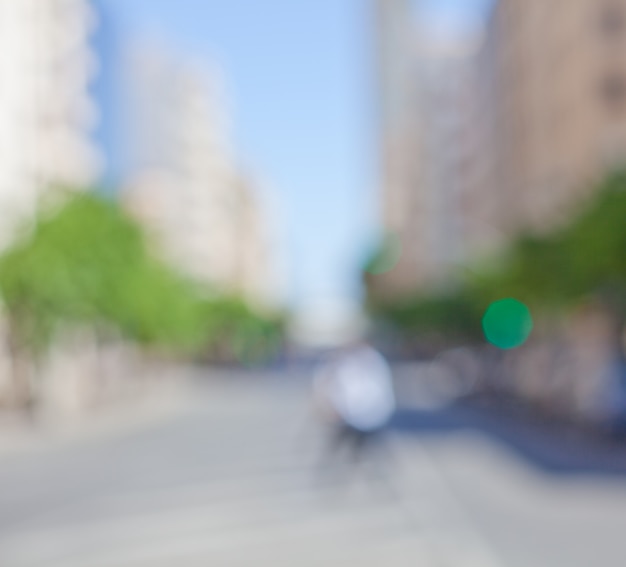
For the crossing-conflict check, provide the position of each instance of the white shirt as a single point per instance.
(358, 386)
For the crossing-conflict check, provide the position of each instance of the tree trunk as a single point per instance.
(23, 395)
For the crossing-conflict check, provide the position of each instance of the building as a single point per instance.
(444, 102)
(182, 180)
(480, 142)
(480, 203)
(46, 65)
(554, 74)
(422, 83)
(46, 117)
(398, 132)
(255, 275)
(203, 214)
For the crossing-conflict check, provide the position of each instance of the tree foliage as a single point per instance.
(70, 265)
(551, 272)
(235, 331)
(87, 263)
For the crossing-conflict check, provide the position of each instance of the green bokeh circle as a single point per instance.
(507, 323)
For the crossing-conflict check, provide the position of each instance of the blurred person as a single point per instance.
(353, 392)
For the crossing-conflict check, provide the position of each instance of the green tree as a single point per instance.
(236, 332)
(584, 257)
(552, 272)
(86, 262)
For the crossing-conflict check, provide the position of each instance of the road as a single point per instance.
(230, 479)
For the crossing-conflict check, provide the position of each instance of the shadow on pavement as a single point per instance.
(554, 448)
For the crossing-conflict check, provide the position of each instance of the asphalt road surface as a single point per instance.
(235, 477)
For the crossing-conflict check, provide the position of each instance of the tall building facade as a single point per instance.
(398, 131)
(483, 230)
(181, 186)
(554, 74)
(255, 274)
(46, 112)
(444, 104)
(46, 117)
(186, 189)
(482, 143)
(422, 85)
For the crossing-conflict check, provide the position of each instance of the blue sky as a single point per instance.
(299, 77)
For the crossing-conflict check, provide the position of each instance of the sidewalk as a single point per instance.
(151, 402)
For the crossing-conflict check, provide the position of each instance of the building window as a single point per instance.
(612, 20)
(613, 90)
